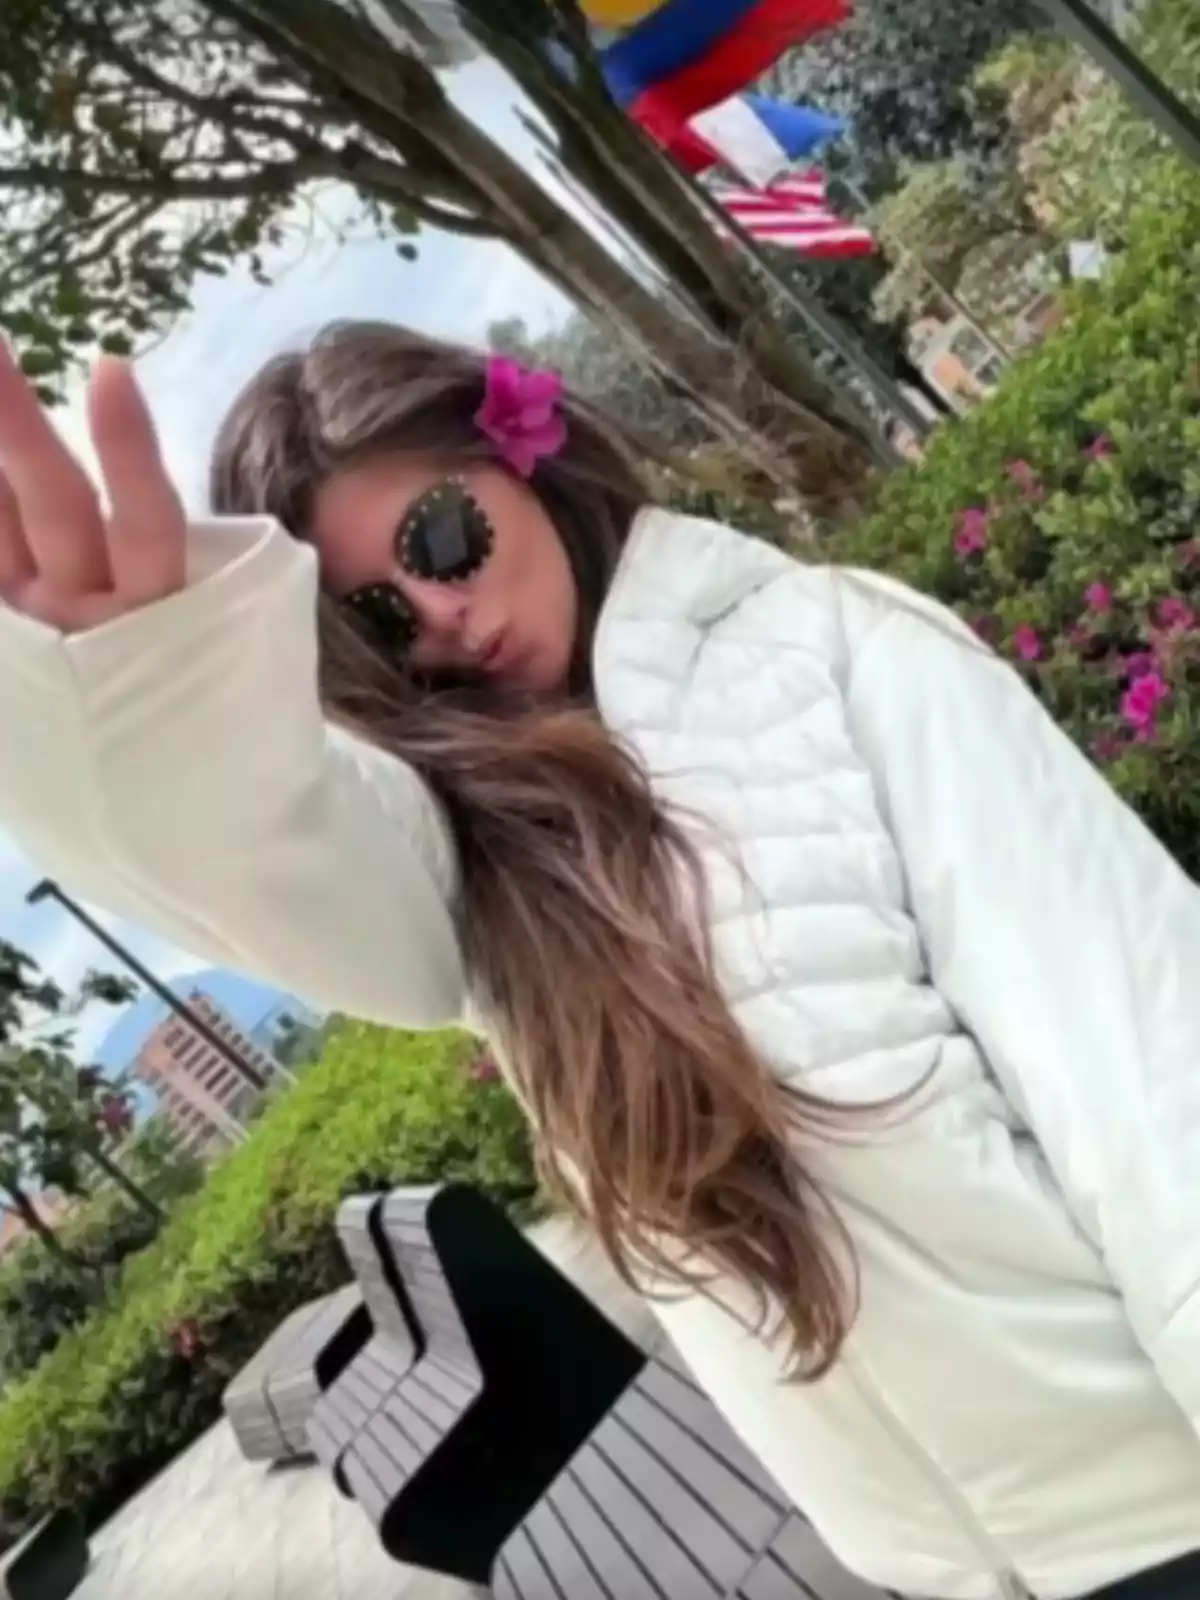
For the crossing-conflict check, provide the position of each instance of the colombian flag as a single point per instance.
(677, 58)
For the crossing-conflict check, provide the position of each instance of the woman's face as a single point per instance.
(513, 620)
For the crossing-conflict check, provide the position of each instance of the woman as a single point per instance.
(851, 1008)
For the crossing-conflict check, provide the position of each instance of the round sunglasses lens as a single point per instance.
(384, 617)
(445, 536)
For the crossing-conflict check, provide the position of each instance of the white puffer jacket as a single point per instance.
(936, 880)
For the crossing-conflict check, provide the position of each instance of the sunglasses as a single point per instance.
(443, 537)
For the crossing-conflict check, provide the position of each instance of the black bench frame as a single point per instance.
(521, 1443)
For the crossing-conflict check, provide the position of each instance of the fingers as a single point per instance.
(57, 505)
(146, 536)
(16, 563)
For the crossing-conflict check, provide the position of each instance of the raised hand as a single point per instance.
(64, 560)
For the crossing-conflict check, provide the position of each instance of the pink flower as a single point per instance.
(521, 413)
(1027, 642)
(1026, 479)
(1176, 613)
(1135, 665)
(115, 1115)
(1080, 636)
(485, 1070)
(971, 531)
(1107, 746)
(1140, 702)
(1099, 598)
(186, 1338)
(986, 628)
(1100, 448)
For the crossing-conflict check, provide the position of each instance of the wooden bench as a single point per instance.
(531, 1449)
(49, 1563)
(270, 1401)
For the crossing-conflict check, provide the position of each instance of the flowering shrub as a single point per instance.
(1062, 519)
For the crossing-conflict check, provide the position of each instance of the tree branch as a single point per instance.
(388, 180)
(275, 179)
(221, 109)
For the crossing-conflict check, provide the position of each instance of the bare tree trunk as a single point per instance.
(41, 1229)
(96, 1152)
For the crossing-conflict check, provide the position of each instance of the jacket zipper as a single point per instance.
(1009, 1583)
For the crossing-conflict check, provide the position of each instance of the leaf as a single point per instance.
(40, 363)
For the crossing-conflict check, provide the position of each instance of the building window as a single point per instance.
(991, 372)
(972, 350)
(208, 1071)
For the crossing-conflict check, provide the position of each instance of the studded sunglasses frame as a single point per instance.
(382, 611)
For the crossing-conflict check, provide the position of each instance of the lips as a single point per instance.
(494, 653)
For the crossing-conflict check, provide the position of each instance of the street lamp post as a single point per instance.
(47, 890)
(1085, 27)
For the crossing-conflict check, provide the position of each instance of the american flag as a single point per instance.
(793, 213)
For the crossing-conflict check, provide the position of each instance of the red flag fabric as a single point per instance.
(753, 44)
(684, 145)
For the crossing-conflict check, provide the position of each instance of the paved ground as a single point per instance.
(215, 1527)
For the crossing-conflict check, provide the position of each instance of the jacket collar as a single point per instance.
(676, 577)
(678, 568)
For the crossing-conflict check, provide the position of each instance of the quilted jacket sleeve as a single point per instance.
(1063, 935)
(174, 767)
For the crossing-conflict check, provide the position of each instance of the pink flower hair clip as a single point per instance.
(522, 413)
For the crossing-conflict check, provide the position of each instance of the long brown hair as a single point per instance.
(582, 904)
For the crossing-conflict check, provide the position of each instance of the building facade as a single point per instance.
(200, 1094)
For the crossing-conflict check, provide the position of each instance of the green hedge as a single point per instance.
(122, 1394)
(1063, 517)
(43, 1295)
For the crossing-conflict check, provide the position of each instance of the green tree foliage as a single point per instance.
(903, 72)
(43, 1296)
(937, 224)
(1094, 170)
(144, 145)
(58, 1121)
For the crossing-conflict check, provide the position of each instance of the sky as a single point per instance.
(455, 288)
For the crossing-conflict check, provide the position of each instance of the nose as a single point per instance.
(442, 612)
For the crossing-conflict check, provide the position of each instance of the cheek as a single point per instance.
(552, 583)
(568, 602)
(529, 559)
